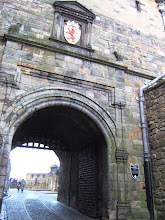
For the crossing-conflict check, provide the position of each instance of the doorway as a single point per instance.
(81, 148)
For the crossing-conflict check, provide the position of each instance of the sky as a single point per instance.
(25, 160)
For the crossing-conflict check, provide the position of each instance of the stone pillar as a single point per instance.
(4, 160)
(121, 154)
(57, 26)
(123, 205)
(68, 178)
(74, 181)
(64, 176)
(89, 35)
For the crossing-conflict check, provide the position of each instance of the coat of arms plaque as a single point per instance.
(134, 168)
(72, 32)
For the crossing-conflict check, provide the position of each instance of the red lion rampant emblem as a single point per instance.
(72, 32)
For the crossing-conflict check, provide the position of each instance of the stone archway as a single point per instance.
(85, 151)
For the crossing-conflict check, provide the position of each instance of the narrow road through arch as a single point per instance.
(32, 205)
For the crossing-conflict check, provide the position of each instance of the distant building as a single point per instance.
(43, 181)
(54, 173)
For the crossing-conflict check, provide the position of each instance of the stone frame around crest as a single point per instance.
(72, 10)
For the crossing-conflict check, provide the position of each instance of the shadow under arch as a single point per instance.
(98, 140)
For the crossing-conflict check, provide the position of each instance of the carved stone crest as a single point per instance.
(72, 32)
(73, 24)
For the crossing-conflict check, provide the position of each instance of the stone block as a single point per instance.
(69, 59)
(3, 170)
(38, 58)
(162, 175)
(47, 67)
(96, 72)
(60, 63)
(60, 56)
(157, 201)
(85, 70)
(160, 208)
(24, 55)
(26, 80)
(5, 160)
(14, 45)
(2, 181)
(72, 66)
(160, 155)
(154, 144)
(10, 59)
(78, 61)
(58, 70)
(9, 67)
(162, 142)
(128, 89)
(28, 65)
(123, 209)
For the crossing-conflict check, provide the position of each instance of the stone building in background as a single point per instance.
(54, 177)
(38, 181)
(70, 75)
(43, 181)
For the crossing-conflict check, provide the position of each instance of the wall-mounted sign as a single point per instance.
(135, 172)
(72, 32)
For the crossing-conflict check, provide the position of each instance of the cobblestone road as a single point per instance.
(31, 205)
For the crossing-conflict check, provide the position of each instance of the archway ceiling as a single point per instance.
(59, 127)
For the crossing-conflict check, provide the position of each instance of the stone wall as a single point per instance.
(155, 106)
(37, 72)
(41, 181)
(38, 181)
(139, 50)
(147, 20)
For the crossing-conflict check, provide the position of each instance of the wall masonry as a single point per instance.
(155, 112)
(103, 82)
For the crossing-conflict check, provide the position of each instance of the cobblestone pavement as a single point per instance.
(31, 205)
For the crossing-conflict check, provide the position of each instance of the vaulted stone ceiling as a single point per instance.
(58, 127)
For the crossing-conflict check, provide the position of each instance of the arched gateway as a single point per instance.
(80, 131)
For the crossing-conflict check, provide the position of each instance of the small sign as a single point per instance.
(135, 172)
(72, 32)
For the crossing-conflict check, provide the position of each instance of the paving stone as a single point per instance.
(32, 205)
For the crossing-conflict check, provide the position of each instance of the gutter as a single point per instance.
(147, 156)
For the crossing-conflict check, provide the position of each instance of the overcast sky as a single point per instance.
(24, 160)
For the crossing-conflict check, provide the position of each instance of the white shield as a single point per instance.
(72, 32)
(134, 168)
